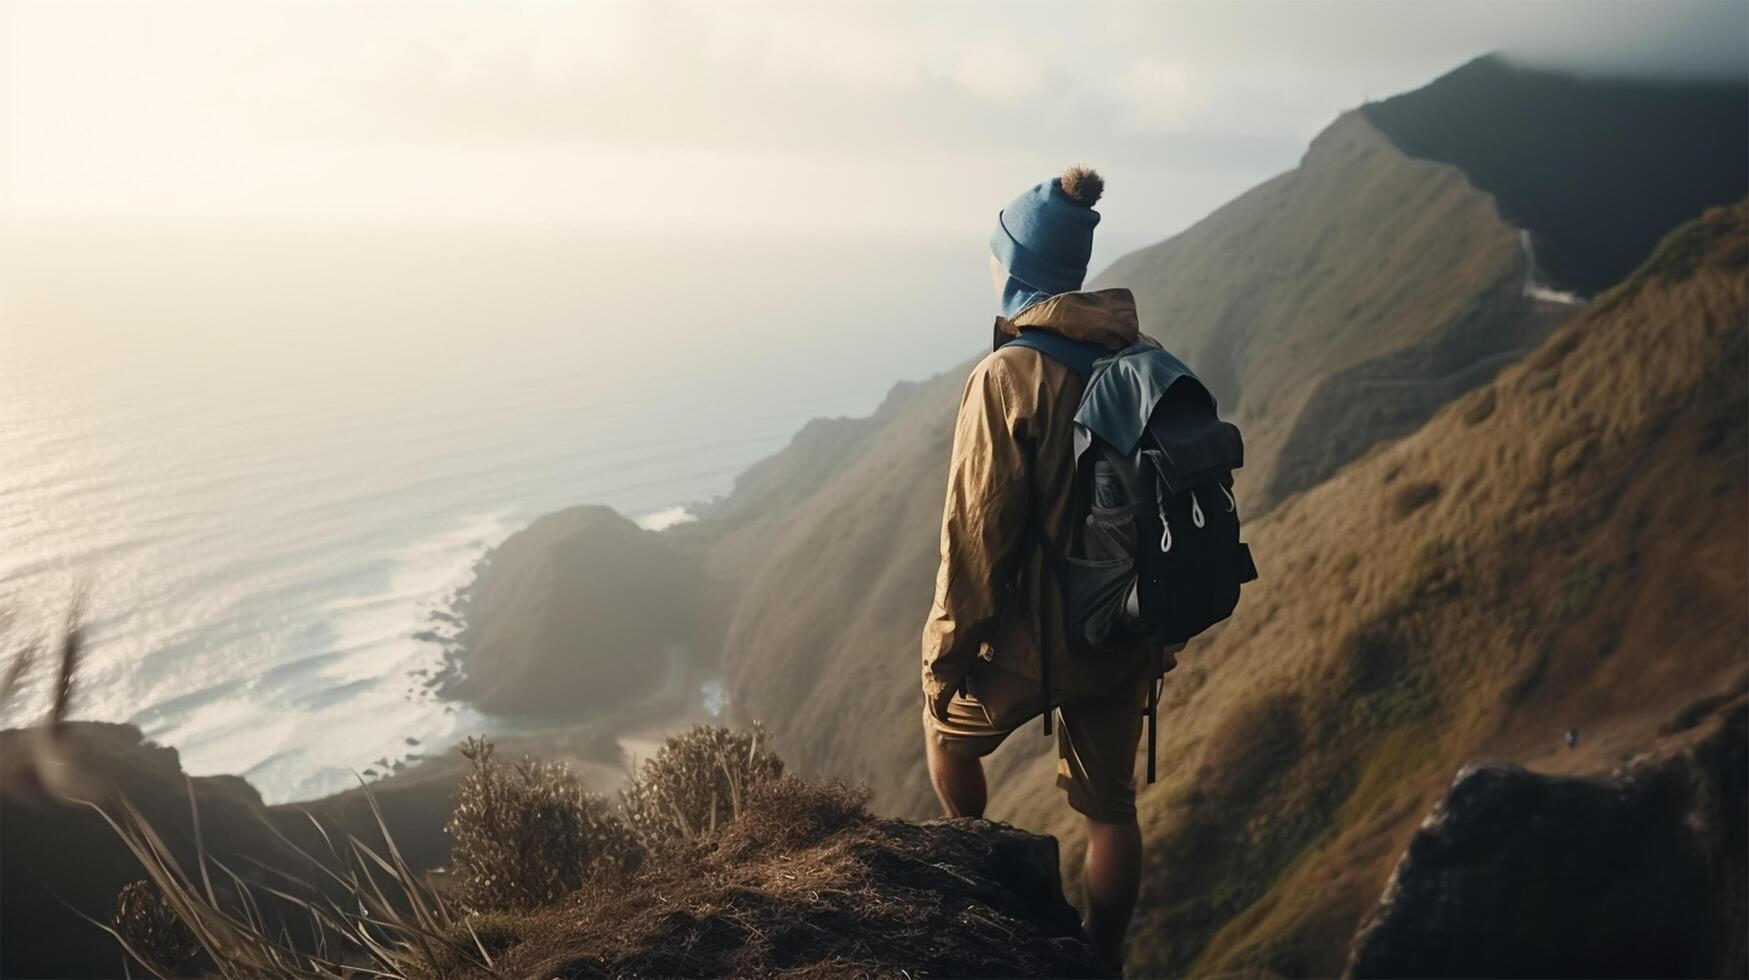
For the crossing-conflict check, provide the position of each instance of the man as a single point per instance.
(994, 632)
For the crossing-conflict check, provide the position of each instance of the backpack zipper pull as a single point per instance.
(1195, 509)
(1165, 526)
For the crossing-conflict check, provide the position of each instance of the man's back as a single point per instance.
(1011, 478)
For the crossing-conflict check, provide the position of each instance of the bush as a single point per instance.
(696, 783)
(788, 813)
(152, 931)
(527, 834)
(458, 953)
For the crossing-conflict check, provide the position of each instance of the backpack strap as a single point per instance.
(1076, 355)
(1056, 567)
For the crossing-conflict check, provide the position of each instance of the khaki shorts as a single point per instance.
(1096, 735)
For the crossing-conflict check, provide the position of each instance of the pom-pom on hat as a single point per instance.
(1044, 237)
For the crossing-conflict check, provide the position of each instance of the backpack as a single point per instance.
(1154, 553)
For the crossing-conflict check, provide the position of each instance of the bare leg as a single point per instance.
(959, 782)
(1111, 877)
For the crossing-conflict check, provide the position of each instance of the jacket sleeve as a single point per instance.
(982, 525)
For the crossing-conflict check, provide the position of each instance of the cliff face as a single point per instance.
(1411, 253)
(1595, 170)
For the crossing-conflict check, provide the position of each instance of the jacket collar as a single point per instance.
(1106, 317)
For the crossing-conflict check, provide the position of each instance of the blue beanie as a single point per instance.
(1045, 237)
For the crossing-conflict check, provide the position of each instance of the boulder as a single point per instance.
(1518, 874)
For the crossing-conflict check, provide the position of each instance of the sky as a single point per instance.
(865, 119)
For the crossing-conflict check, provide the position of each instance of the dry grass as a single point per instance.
(373, 917)
(697, 783)
(528, 833)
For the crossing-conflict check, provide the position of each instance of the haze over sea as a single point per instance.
(272, 451)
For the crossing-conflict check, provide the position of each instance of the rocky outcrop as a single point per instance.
(577, 614)
(1517, 874)
(807, 883)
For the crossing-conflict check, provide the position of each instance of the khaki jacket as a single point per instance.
(1013, 461)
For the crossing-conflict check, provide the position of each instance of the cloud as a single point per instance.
(510, 109)
(1157, 94)
(1707, 40)
(997, 69)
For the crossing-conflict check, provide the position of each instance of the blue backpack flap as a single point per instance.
(1155, 555)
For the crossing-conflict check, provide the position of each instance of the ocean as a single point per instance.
(270, 453)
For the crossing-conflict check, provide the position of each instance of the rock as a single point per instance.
(1519, 874)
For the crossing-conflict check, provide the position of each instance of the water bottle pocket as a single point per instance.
(1098, 593)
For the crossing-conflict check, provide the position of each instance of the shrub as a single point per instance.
(459, 953)
(788, 813)
(152, 931)
(696, 783)
(529, 833)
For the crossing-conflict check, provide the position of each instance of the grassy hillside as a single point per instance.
(1563, 548)
(1597, 169)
